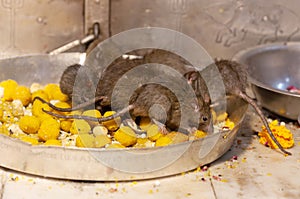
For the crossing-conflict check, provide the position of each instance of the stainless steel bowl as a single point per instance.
(101, 164)
(272, 68)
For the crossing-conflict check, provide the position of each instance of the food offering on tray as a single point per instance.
(24, 118)
(281, 133)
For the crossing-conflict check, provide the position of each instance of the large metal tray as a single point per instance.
(100, 164)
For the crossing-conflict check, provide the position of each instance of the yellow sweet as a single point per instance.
(100, 130)
(85, 140)
(102, 140)
(49, 129)
(113, 124)
(8, 83)
(145, 123)
(281, 133)
(213, 116)
(229, 124)
(126, 136)
(40, 93)
(22, 93)
(29, 124)
(65, 125)
(49, 89)
(154, 132)
(92, 113)
(7, 116)
(58, 95)
(76, 112)
(60, 104)
(29, 140)
(199, 134)
(222, 117)
(80, 126)
(53, 143)
(177, 137)
(1, 112)
(54, 93)
(115, 146)
(4, 130)
(9, 89)
(163, 141)
(37, 110)
(141, 141)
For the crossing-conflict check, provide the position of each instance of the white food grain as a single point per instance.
(69, 141)
(63, 135)
(17, 108)
(100, 130)
(282, 123)
(1, 92)
(156, 183)
(53, 102)
(149, 143)
(269, 120)
(28, 112)
(35, 87)
(15, 129)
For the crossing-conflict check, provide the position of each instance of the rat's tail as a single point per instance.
(90, 118)
(80, 106)
(264, 120)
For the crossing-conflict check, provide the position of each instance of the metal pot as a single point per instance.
(272, 68)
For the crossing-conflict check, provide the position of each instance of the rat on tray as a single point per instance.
(234, 78)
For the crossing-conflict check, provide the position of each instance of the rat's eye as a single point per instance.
(204, 118)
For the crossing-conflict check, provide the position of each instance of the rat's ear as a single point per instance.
(191, 75)
(206, 98)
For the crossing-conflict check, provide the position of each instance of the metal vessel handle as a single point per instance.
(89, 38)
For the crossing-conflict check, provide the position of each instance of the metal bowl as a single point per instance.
(102, 164)
(272, 68)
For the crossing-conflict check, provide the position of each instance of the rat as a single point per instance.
(234, 77)
(168, 109)
(84, 76)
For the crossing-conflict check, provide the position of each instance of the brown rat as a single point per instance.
(145, 96)
(234, 77)
(84, 76)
